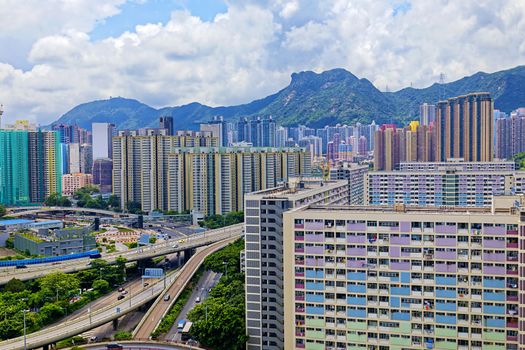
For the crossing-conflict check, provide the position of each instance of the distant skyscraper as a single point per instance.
(14, 167)
(74, 158)
(510, 134)
(465, 128)
(166, 122)
(268, 132)
(427, 114)
(281, 135)
(86, 158)
(103, 174)
(102, 140)
(219, 129)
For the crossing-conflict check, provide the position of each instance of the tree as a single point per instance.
(134, 207)
(101, 286)
(113, 202)
(51, 312)
(3, 210)
(59, 284)
(56, 200)
(14, 286)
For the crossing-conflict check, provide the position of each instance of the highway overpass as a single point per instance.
(133, 300)
(151, 251)
(160, 308)
(23, 211)
(143, 345)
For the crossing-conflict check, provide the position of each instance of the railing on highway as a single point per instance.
(231, 231)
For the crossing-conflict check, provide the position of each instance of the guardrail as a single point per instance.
(135, 254)
(81, 323)
(219, 245)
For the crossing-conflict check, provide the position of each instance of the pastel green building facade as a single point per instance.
(14, 167)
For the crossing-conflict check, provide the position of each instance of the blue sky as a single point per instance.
(153, 11)
(57, 54)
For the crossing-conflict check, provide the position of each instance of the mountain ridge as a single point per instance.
(312, 99)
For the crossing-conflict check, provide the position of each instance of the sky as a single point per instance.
(56, 54)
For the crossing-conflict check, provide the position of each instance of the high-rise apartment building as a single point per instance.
(510, 134)
(14, 167)
(45, 166)
(465, 128)
(166, 122)
(102, 140)
(427, 114)
(356, 176)
(219, 129)
(74, 158)
(264, 253)
(214, 180)
(103, 174)
(140, 164)
(394, 145)
(410, 278)
(465, 184)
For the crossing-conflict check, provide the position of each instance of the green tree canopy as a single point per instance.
(59, 284)
(14, 286)
(3, 210)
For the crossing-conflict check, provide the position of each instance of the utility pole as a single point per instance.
(25, 340)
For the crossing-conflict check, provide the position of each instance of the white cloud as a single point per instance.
(249, 51)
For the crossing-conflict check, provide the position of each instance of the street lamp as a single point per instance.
(25, 340)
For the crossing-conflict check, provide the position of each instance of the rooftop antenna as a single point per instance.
(442, 83)
(1, 113)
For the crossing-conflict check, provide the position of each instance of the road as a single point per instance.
(142, 345)
(207, 281)
(132, 301)
(161, 307)
(154, 250)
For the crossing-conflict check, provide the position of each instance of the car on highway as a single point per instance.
(166, 297)
(93, 339)
(182, 240)
(114, 346)
(146, 284)
(21, 267)
(198, 300)
(175, 245)
(120, 297)
(124, 292)
(121, 289)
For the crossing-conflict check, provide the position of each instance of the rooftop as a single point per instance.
(15, 222)
(504, 205)
(298, 187)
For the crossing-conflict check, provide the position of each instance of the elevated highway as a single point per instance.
(133, 300)
(23, 211)
(154, 250)
(160, 308)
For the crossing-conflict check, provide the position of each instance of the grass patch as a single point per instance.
(123, 335)
(69, 342)
(123, 229)
(169, 320)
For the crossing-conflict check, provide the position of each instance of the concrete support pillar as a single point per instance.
(45, 347)
(187, 254)
(115, 324)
